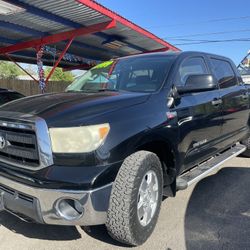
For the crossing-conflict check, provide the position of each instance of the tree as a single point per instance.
(59, 75)
(9, 70)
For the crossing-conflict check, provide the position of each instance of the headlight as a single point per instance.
(78, 139)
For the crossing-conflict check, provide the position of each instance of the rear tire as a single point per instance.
(135, 199)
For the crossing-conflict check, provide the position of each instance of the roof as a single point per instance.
(36, 19)
(153, 54)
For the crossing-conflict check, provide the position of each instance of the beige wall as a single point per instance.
(30, 87)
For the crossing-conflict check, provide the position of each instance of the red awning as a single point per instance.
(97, 33)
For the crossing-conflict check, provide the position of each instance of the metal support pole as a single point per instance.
(55, 38)
(18, 65)
(59, 59)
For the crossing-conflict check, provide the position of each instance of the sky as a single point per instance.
(180, 21)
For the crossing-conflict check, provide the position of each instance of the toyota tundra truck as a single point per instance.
(128, 132)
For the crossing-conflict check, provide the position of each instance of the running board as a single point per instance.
(204, 169)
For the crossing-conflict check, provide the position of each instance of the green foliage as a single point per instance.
(9, 70)
(59, 75)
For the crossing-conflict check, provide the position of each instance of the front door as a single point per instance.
(199, 116)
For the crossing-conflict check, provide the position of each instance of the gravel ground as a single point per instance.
(213, 214)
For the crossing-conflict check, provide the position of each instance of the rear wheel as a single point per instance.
(135, 199)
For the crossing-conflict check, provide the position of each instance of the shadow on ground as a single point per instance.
(100, 233)
(57, 233)
(218, 212)
(38, 231)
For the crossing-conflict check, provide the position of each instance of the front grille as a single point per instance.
(18, 146)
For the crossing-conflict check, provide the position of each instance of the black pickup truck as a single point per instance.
(127, 133)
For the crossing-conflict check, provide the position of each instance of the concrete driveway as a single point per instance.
(213, 214)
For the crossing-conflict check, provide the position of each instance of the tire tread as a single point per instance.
(119, 214)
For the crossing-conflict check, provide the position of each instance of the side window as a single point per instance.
(190, 66)
(224, 73)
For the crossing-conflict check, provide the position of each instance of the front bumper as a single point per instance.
(41, 205)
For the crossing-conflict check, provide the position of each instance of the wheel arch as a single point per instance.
(166, 153)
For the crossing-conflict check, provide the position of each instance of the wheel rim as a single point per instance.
(147, 198)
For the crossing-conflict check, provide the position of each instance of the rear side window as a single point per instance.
(190, 66)
(224, 73)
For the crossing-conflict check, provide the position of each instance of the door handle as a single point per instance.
(216, 102)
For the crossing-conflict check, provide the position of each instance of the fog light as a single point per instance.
(69, 209)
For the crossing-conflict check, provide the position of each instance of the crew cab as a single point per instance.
(125, 134)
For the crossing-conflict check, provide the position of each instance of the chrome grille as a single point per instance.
(19, 146)
(26, 139)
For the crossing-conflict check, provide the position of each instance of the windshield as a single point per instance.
(135, 74)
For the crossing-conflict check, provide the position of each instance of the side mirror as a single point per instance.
(198, 83)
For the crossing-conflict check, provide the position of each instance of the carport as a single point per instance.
(72, 34)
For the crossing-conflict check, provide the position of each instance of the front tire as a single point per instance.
(135, 199)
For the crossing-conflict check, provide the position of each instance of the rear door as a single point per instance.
(235, 100)
(199, 115)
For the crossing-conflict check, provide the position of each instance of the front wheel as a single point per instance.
(135, 199)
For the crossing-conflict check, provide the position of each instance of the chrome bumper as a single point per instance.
(14, 197)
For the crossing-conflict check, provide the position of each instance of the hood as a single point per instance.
(69, 108)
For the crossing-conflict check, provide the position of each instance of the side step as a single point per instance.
(202, 170)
